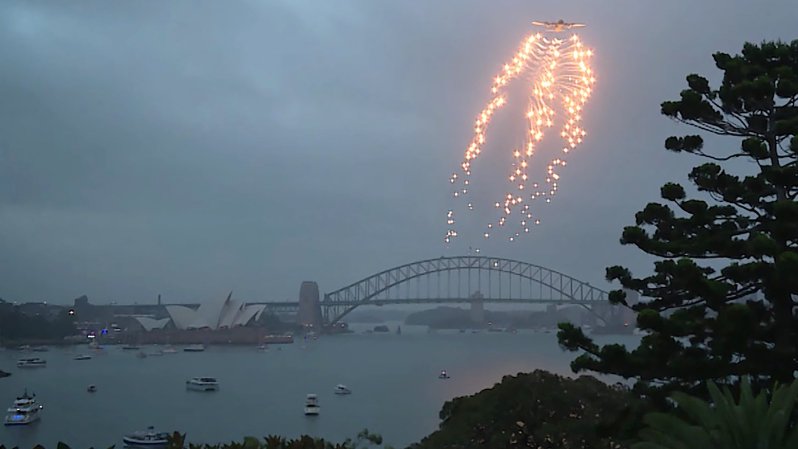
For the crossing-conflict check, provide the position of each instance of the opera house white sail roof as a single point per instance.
(209, 315)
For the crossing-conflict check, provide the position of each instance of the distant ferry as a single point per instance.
(34, 362)
(194, 348)
(278, 339)
(149, 438)
(202, 384)
(312, 407)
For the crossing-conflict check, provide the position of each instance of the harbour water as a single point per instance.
(394, 380)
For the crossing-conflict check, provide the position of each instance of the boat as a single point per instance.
(202, 384)
(278, 339)
(312, 405)
(130, 348)
(342, 389)
(40, 349)
(82, 357)
(4, 374)
(34, 362)
(147, 438)
(264, 347)
(169, 350)
(381, 328)
(25, 410)
(444, 375)
(91, 388)
(194, 348)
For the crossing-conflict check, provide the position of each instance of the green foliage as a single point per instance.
(701, 317)
(539, 410)
(752, 423)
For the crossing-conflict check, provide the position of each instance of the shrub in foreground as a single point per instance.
(755, 422)
(538, 410)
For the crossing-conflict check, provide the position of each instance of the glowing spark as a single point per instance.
(560, 82)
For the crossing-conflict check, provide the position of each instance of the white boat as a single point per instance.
(202, 384)
(312, 405)
(147, 438)
(24, 411)
(82, 357)
(194, 348)
(443, 375)
(33, 362)
(342, 389)
(169, 350)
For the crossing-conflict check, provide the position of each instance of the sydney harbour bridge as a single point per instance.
(474, 280)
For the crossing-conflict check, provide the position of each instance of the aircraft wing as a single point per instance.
(577, 25)
(540, 24)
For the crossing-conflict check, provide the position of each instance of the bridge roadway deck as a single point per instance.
(383, 302)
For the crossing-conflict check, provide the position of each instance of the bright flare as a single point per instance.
(560, 82)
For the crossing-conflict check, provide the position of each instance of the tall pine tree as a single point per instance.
(720, 303)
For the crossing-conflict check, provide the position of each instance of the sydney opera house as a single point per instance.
(211, 315)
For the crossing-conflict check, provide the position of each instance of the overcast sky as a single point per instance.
(190, 148)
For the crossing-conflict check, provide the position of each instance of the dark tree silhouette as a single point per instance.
(721, 299)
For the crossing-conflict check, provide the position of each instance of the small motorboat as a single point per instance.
(443, 375)
(40, 349)
(342, 389)
(4, 374)
(312, 405)
(202, 384)
(25, 410)
(33, 362)
(91, 388)
(82, 357)
(169, 350)
(194, 348)
(130, 348)
(263, 348)
(147, 438)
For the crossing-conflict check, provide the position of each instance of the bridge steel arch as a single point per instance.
(562, 289)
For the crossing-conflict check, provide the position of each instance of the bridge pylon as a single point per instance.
(477, 311)
(309, 314)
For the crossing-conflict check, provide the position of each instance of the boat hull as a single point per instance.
(312, 411)
(133, 442)
(11, 421)
(196, 387)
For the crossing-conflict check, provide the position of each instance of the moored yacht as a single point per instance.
(443, 375)
(25, 410)
(194, 348)
(202, 384)
(312, 405)
(147, 438)
(33, 362)
(342, 389)
(82, 357)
